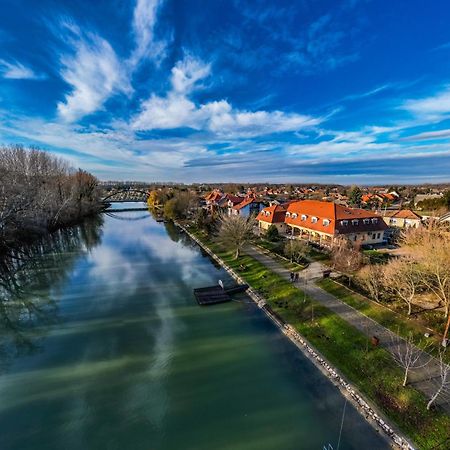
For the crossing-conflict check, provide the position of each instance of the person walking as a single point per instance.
(292, 276)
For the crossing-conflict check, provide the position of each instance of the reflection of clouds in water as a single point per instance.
(112, 270)
(147, 395)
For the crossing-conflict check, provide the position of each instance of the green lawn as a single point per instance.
(371, 369)
(390, 319)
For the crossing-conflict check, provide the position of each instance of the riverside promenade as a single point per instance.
(423, 379)
(347, 389)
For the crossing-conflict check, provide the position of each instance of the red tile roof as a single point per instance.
(244, 203)
(330, 218)
(402, 214)
(276, 214)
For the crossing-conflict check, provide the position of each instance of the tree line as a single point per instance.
(40, 192)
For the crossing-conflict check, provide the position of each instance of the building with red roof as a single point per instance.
(321, 221)
(403, 218)
(272, 215)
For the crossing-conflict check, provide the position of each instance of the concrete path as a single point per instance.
(424, 379)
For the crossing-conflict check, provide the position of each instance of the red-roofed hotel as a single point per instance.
(323, 221)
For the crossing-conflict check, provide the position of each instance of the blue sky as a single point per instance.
(355, 91)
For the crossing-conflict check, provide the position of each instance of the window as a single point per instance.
(294, 216)
(314, 219)
(366, 221)
(393, 221)
(267, 213)
(304, 216)
(288, 214)
(326, 222)
(344, 222)
(355, 222)
(374, 220)
(374, 236)
(378, 235)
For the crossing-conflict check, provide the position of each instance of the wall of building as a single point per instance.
(281, 227)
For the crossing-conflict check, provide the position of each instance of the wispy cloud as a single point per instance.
(177, 110)
(433, 108)
(144, 22)
(93, 72)
(17, 71)
(429, 135)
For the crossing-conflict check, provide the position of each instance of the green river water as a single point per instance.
(103, 346)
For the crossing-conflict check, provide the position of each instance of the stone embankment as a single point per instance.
(347, 389)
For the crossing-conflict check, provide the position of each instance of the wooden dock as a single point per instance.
(211, 295)
(217, 294)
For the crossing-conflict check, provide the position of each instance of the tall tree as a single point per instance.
(354, 197)
(235, 232)
(402, 277)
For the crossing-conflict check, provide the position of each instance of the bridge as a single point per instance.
(126, 195)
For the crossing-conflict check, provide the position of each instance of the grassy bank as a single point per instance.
(390, 319)
(371, 369)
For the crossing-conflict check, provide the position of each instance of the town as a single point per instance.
(224, 225)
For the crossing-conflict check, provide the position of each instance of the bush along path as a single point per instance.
(424, 378)
(369, 370)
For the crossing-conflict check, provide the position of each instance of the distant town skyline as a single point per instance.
(355, 91)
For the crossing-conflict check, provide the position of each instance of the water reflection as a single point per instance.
(130, 361)
(29, 276)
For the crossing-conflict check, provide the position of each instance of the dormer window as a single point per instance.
(374, 220)
(314, 219)
(366, 221)
(344, 222)
(294, 216)
(304, 216)
(288, 214)
(355, 222)
(267, 213)
(326, 222)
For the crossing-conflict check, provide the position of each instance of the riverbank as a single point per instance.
(372, 370)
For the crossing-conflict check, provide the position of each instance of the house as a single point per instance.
(323, 221)
(272, 215)
(403, 218)
(246, 207)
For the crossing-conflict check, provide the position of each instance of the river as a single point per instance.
(103, 346)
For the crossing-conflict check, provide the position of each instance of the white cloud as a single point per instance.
(17, 71)
(176, 110)
(187, 72)
(434, 108)
(94, 73)
(144, 21)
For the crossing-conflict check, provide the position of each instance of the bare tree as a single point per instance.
(402, 277)
(345, 256)
(295, 250)
(39, 191)
(443, 384)
(235, 232)
(430, 247)
(407, 355)
(371, 279)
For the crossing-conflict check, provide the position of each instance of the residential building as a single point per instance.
(247, 207)
(323, 221)
(403, 218)
(272, 215)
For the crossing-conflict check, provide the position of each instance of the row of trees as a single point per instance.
(174, 203)
(425, 269)
(40, 192)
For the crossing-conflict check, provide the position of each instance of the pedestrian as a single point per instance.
(297, 276)
(292, 276)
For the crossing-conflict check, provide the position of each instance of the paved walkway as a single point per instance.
(424, 379)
